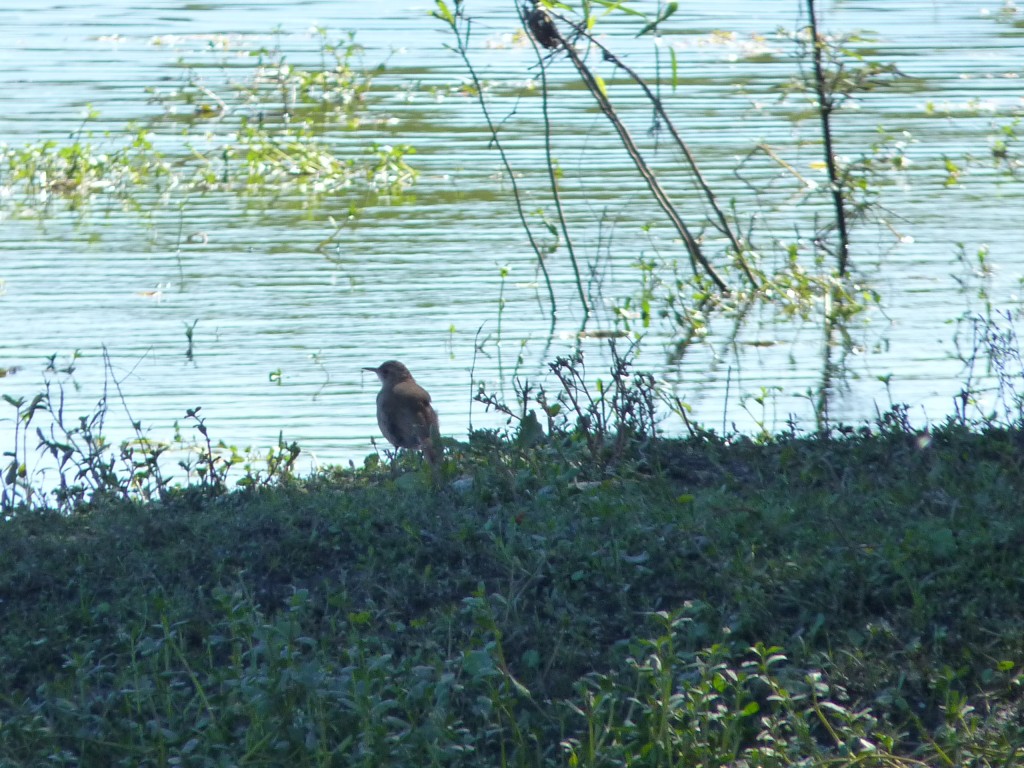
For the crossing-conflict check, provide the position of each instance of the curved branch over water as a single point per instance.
(723, 221)
(692, 246)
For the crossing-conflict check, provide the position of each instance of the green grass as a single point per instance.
(846, 602)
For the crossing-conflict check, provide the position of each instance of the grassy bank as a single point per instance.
(856, 601)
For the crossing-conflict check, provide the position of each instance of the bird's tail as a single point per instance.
(431, 445)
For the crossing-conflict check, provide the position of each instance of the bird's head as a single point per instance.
(391, 372)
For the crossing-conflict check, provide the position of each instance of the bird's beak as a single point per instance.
(372, 370)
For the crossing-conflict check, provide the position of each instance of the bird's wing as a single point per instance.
(405, 428)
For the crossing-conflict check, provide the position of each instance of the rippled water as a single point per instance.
(282, 328)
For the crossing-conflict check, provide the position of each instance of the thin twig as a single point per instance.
(692, 246)
(462, 51)
(554, 181)
(723, 221)
(825, 107)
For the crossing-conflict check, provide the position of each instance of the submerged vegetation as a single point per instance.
(249, 123)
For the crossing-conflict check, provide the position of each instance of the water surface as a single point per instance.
(282, 326)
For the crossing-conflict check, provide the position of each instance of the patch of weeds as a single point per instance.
(993, 368)
(77, 465)
(719, 706)
(592, 426)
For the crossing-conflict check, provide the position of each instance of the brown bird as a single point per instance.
(404, 413)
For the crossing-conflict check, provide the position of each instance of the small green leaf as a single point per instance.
(444, 13)
(618, 6)
(478, 664)
(360, 619)
(670, 9)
